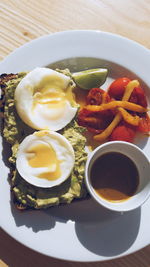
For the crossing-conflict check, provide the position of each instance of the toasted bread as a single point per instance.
(24, 195)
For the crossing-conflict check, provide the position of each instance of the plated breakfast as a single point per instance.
(87, 229)
(50, 119)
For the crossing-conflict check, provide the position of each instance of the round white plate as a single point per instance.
(81, 231)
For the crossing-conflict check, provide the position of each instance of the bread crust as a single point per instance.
(4, 78)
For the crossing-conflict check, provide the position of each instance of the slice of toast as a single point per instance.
(14, 130)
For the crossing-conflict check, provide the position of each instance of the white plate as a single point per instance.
(81, 231)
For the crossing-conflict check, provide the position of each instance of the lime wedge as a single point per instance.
(88, 79)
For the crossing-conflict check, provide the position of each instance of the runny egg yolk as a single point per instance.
(53, 97)
(43, 155)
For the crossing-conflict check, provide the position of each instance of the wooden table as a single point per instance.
(24, 20)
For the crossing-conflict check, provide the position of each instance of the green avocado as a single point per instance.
(30, 196)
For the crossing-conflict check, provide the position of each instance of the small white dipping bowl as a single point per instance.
(143, 166)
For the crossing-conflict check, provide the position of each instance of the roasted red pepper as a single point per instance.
(95, 122)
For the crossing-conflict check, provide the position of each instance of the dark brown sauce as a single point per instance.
(114, 177)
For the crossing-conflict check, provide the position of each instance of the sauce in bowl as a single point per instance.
(114, 177)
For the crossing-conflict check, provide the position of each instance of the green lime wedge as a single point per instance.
(88, 79)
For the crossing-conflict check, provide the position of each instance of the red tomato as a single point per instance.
(95, 96)
(138, 97)
(144, 124)
(93, 130)
(83, 113)
(94, 121)
(117, 88)
(123, 132)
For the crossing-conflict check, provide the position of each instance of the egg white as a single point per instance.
(64, 152)
(53, 116)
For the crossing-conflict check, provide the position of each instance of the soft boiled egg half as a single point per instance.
(45, 158)
(44, 99)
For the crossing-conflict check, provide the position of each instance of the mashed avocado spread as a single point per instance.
(30, 196)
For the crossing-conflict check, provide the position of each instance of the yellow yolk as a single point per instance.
(41, 156)
(53, 97)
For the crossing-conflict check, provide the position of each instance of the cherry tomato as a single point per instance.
(117, 88)
(96, 96)
(138, 97)
(144, 124)
(123, 132)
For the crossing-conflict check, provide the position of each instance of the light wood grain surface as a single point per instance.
(24, 20)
